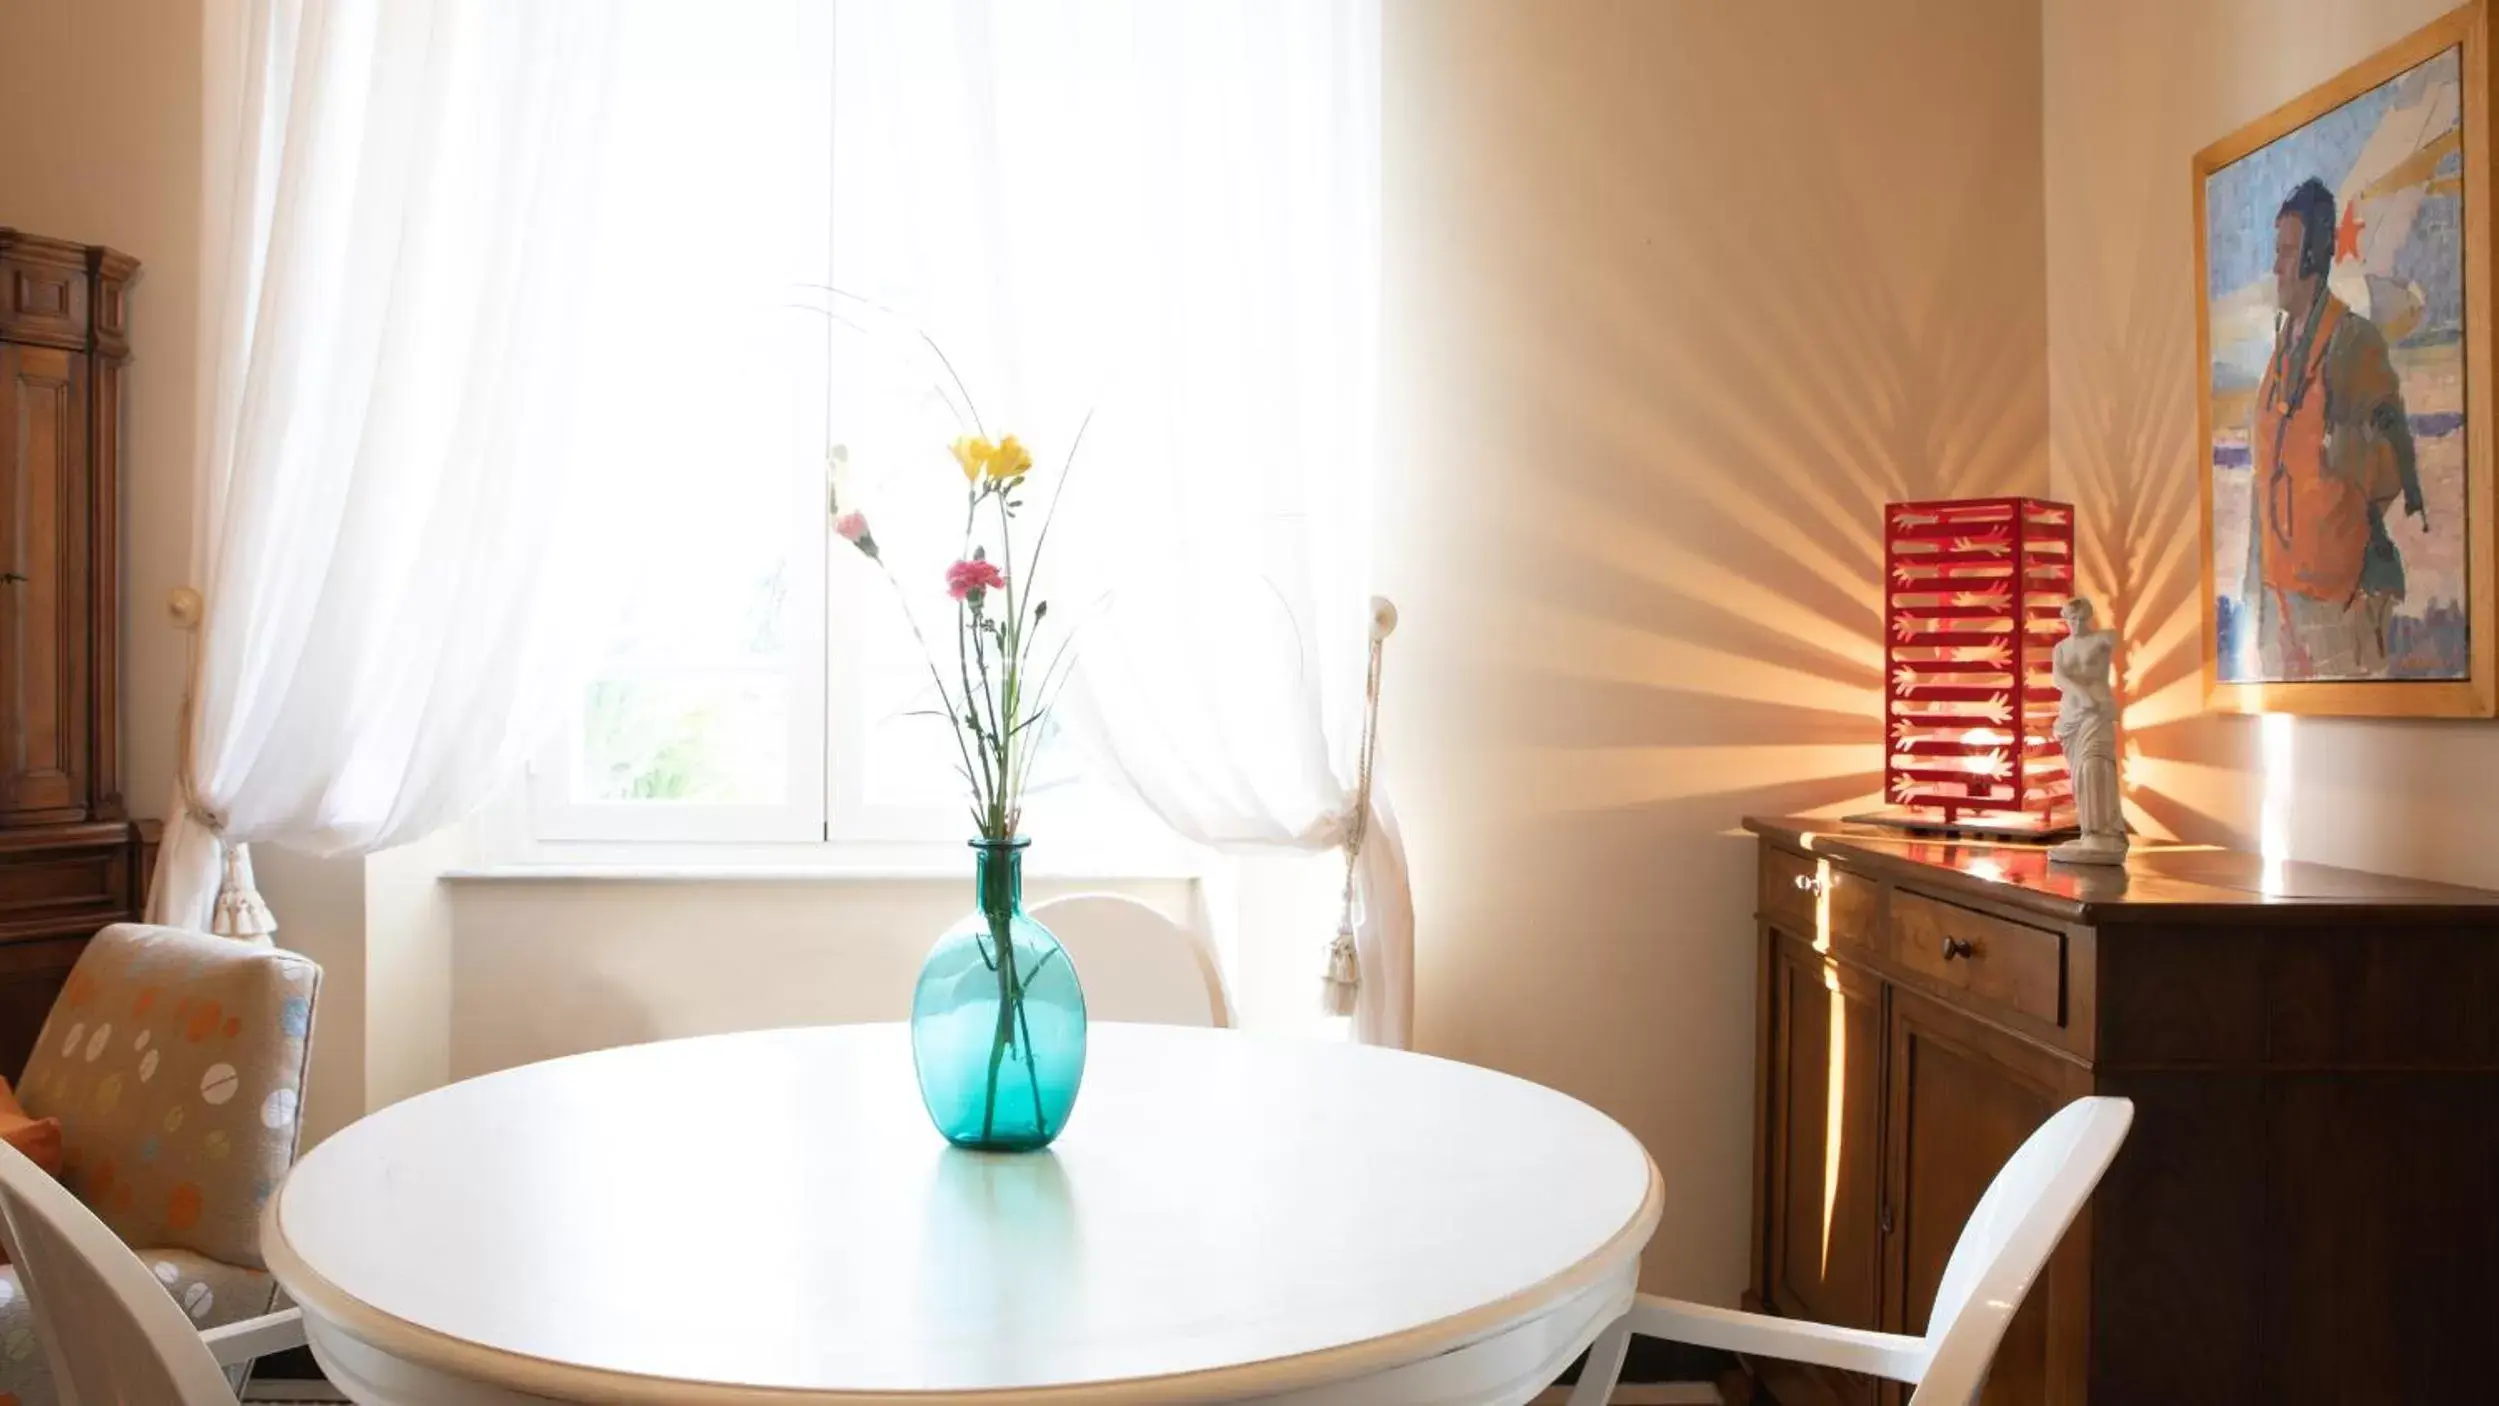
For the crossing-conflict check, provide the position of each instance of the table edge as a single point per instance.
(431, 1349)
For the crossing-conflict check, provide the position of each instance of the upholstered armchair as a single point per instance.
(175, 1062)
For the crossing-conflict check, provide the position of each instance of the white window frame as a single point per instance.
(827, 823)
(555, 816)
(547, 816)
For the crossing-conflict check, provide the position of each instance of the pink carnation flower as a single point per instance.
(969, 578)
(852, 527)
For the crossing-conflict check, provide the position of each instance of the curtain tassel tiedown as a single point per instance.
(1344, 979)
(1342, 986)
(240, 912)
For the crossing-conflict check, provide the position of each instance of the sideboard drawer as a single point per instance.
(1816, 899)
(2010, 963)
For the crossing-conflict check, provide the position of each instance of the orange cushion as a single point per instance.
(38, 1138)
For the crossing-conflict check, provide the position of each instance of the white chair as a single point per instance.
(108, 1328)
(2002, 1249)
(1137, 964)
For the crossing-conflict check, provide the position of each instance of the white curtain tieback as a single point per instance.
(240, 912)
(1340, 989)
(1333, 830)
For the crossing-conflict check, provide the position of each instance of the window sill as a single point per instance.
(957, 871)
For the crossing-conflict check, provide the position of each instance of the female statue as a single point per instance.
(2086, 727)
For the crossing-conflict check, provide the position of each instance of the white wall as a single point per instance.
(1677, 296)
(2134, 88)
(549, 967)
(319, 905)
(409, 954)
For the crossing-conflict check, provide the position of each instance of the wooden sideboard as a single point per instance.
(69, 856)
(2307, 1209)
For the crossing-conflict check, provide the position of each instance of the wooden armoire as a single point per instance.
(69, 855)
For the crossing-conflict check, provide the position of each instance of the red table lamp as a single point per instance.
(1972, 590)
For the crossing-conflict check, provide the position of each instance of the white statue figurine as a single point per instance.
(2086, 727)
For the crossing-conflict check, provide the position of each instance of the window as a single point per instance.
(702, 717)
(1105, 206)
(754, 687)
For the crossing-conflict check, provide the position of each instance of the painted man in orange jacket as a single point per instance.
(2333, 451)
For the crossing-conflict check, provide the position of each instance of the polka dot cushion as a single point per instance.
(175, 1062)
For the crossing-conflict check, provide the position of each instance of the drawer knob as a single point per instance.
(1958, 947)
(1808, 883)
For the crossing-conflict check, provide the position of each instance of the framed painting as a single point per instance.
(2343, 337)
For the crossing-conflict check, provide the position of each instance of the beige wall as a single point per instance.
(552, 967)
(1678, 295)
(2134, 88)
(99, 142)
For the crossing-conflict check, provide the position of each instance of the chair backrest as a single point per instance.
(2007, 1242)
(109, 1331)
(1137, 964)
(159, 1032)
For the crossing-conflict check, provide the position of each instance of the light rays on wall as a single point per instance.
(1663, 339)
(1568, 645)
(1570, 520)
(2122, 378)
(1735, 401)
(1613, 778)
(2121, 375)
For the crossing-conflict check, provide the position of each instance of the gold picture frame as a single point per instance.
(2348, 548)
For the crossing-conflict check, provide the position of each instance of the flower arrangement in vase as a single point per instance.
(997, 1015)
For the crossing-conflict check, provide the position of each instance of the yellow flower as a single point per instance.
(1004, 461)
(1010, 461)
(973, 453)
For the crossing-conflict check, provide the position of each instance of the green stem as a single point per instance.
(929, 657)
(1047, 697)
(1009, 1002)
(997, 904)
(995, 740)
(1032, 1059)
(1009, 637)
(1057, 495)
(971, 712)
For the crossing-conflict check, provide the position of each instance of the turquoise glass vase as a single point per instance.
(998, 1018)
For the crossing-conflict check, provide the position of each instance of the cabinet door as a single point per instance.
(43, 591)
(1963, 1096)
(1824, 1130)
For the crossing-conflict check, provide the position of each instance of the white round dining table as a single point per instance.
(768, 1219)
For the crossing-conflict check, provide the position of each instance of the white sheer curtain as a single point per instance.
(395, 198)
(1165, 214)
(1214, 710)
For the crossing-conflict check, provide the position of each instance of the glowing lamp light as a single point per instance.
(1974, 591)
